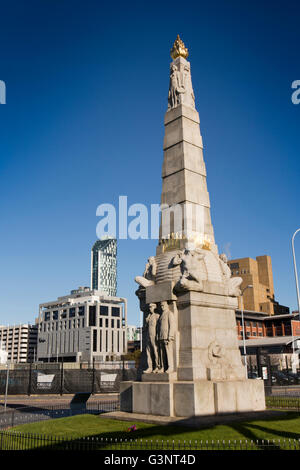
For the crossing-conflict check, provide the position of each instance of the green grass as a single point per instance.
(280, 427)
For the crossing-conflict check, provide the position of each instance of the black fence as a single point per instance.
(291, 403)
(10, 440)
(14, 416)
(57, 379)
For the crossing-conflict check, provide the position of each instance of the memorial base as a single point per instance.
(185, 399)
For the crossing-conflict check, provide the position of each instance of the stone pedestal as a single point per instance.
(210, 377)
(197, 398)
(208, 345)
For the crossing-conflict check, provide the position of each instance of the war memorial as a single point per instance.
(191, 363)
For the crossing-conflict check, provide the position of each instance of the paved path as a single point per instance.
(53, 399)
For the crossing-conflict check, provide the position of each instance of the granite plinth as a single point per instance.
(198, 398)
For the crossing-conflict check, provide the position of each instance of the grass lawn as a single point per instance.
(283, 427)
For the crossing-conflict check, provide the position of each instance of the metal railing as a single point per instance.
(30, 414)
(10, 440)
(283, 403)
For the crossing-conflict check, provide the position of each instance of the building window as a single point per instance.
(112, 323)
(234, 265)
(101, 322)
(115, 311)
(64, 314)
(81, 310)
(72, 312)
(47, 316)
(118, 323)
(55, 315)
(94, 340)
(106, 322)
(103, 310)
(92, 315)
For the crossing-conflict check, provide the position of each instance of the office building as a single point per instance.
(19, 342)
(104, 266)
(258, 273)
(82, 326)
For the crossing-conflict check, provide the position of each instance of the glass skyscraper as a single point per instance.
(104, 266)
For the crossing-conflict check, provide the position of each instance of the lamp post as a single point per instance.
(141, 330)
(6, 385)
(243, 326)
(297, 290)
(295, 269)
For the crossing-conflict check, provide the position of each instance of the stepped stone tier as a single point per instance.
(191, 364)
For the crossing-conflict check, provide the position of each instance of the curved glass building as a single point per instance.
(104, 266)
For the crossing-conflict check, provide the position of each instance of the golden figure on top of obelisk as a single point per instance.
(179, 49)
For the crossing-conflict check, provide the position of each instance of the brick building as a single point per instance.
(258, 273)
(259, 325)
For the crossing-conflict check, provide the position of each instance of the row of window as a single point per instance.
(252, 324)
(115, 341)
(78, 323)
(63, 324)
(242, 271)
(71, 312)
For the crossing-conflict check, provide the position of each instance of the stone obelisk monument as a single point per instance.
(191, 361)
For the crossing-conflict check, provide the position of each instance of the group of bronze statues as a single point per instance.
(160, 335)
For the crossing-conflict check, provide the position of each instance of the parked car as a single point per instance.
(294, 378)
(282, 378)
(253, 375)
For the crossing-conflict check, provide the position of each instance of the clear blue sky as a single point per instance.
(87, 85)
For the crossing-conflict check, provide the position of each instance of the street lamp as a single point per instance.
(297, 290)
(295, 269)
(6, 385)
(243, 326)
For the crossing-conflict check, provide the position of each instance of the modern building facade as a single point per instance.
(258, 273)
(82, 326)
(133, 333)
(270, 340)
(20, 342)
(258, 325)
(133, 338)
(104, 266)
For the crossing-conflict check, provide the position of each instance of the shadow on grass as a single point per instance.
(120, 440)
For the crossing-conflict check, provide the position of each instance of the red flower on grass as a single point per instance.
(132, 428)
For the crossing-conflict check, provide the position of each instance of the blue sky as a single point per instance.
(87, 86)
